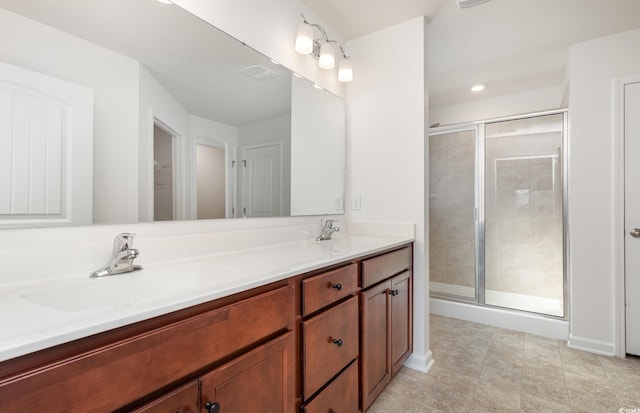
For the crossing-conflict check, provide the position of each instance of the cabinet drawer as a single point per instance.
(340, 396)
(324, 289)
(182, 400)
(112, 376)
(380, 268)
(330, 343)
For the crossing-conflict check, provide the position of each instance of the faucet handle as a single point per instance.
(123, 242)
(328, 223)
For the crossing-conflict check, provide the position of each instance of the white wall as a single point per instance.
(592, 184)
(317, 150)
(114, 80)
(386, 106)
(531, 101)
(210, 131)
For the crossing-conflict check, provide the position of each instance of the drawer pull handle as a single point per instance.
(212, 407)
(337, 286)
(338, 342)
(394, 292)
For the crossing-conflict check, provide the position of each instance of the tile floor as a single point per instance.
(480, 368)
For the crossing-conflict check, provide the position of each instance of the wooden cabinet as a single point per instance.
(327, 288)
(259, 381)
(341, 396)
(116, 375)
(330, 341)
(181, 400)
(386, 318)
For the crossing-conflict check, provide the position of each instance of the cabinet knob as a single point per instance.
(338, 342)
(337, 286)
(394, 292)
(212, 407)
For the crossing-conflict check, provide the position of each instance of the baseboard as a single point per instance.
(419, 362)
(593, 346)
(513, 320)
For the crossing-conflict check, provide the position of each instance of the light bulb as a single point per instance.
(327, 58)
(345, 70)
(304, 39)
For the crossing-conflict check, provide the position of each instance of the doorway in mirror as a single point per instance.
(164, 174)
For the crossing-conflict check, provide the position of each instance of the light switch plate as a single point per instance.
(357, 202)
(339, 204)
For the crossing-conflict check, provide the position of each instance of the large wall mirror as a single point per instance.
(182, 120)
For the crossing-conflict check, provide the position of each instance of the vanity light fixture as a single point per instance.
(165, 1)
(323, 49)
(479, 87)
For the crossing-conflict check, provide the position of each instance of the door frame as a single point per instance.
(620, 325)
(146, 207)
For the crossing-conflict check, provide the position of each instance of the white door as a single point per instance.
(262, 180)
(46, 149)
(632, 216)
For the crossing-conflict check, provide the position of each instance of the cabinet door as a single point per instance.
(376, 365)
(259, 381)
(401, 337)
(182, 400)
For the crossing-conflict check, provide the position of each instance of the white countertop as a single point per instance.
(38, 314)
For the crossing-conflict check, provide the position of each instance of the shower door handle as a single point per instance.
(635, 233)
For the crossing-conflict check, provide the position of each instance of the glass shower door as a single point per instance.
(523, 219)
(452, 224)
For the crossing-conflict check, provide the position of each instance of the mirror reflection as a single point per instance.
(185, 122)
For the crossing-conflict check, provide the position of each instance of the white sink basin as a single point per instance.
(134, 289)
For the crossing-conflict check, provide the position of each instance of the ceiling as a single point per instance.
(169, 41)
(511, 45)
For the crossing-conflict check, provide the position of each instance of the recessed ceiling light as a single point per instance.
(479, 87)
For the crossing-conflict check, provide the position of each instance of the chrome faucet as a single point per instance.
(121, 258)
(327, 229)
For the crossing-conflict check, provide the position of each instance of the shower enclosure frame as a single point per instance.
(478, 127)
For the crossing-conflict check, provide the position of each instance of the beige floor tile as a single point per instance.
(501, 378)
(464, 363)
(505, 356)
(532, 404)
(389, 402)
(481, 369)
(545, 382)
(408, 385)
(446, 400)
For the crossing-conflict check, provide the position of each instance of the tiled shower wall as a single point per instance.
(451, 208)
(523, 207)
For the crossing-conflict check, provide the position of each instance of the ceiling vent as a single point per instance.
(464, 4)
(259, 72)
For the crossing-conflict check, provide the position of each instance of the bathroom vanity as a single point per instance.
(325, 335)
